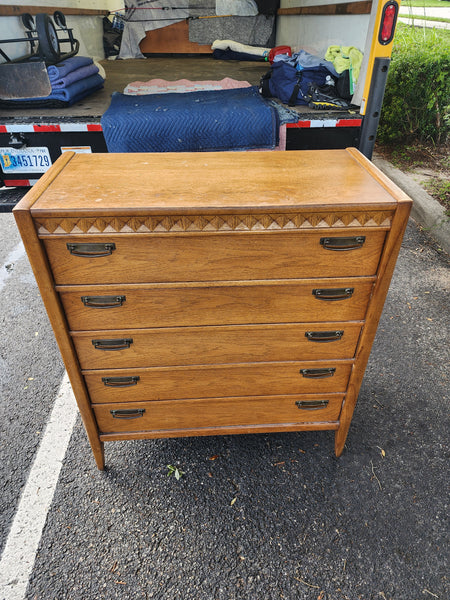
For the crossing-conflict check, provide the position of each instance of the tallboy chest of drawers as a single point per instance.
(213, 293)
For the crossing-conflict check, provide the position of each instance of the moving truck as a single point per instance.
(31, 139)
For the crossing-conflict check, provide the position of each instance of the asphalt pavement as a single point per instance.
(259, 517)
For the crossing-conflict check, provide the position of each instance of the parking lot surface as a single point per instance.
(264, 517)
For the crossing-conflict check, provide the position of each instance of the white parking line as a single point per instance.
(22, 543)
(17, 253)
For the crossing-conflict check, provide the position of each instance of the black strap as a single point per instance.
(264, 85)
(293, 99)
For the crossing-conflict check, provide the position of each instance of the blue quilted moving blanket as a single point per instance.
(237, 119)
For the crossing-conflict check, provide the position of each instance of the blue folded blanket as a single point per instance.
(63, 96)
(190, 122)
(71, 81)
(78, 87)
(73, 76)
(60, 70)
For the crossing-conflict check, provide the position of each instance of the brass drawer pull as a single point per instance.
(324, 336)
(343, 243)
(333, 294)
(103, 301)
(112, 344)
(318, 373)
(128, 413)
(311, 404)
(121, 382)
(91, 250)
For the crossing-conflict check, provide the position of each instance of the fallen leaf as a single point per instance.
(382, 452)
(214, 457)
(233, 501)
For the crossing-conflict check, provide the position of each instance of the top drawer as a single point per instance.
(145, 258)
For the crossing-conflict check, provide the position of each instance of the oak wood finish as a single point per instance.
(215, 262)
(224, 430)
(216, 412)
(363, 7)
(215, 303)
(249, 379)
(172, 346)
(210, 257)
(170, 39)
(13, 10)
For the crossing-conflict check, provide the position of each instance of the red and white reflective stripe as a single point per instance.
(19, 182)
(325, 123)
(50, 127)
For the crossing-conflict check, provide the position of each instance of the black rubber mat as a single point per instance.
(9, 197)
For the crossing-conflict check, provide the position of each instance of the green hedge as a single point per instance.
(417, 98)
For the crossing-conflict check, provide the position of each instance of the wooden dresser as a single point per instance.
(213, 293)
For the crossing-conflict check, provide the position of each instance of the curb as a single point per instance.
(426, 211)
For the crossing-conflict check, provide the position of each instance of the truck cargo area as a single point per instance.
(359, 33)
(78, 126)
(119, 73)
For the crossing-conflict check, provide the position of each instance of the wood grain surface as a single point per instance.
(214, 257)
(218, 412)
(230, 303)
(167, 346)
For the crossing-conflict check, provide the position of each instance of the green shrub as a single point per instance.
(417, 98)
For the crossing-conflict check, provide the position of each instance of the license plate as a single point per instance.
(25, 160)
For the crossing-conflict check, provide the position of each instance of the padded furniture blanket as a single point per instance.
(236, 119)
(71, 80)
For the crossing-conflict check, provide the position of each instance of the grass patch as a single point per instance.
(440, 189)
(416, 104)
(429, 165)
(426, 3)
(425, 18)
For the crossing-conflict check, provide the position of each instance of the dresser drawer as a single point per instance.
(209, 345)
(213, 257)
(140, 306)
(248, 379)
(218, 412)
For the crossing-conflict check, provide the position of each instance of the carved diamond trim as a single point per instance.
(196, 223)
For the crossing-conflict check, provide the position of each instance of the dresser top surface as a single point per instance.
(205, 182)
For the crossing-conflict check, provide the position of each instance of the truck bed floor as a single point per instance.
(119, 73)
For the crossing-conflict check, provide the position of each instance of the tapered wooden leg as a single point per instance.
(339, 439)
(98, 450)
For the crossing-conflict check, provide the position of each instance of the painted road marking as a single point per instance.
(16, 254)
(22, 543)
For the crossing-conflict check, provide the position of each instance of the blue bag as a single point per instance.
(290, 84)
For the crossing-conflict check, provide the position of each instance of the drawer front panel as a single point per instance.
(219, 412)
(210, 345)
(259, 379)
(228, 304)
(213, 257)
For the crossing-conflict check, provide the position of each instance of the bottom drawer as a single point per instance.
(216, 412)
